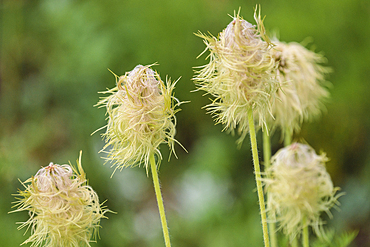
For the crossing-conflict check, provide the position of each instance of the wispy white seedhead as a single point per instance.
(64, 210)
(303, 87)
(240, 75)
(141, 116)
(299, 189)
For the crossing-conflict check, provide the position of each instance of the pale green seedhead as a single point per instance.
(141, 116)
(299, 189)
(240, 75)
(63, 209)
(303, 87)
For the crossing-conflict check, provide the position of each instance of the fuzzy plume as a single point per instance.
(63, 209)
(303, 87)
(299, 189)
(240, 75)
(141, 116)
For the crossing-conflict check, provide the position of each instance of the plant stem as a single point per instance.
(257, 172)
(267, 164)
(287, 137)
(305, 238)
(266, 149)
(158, 194)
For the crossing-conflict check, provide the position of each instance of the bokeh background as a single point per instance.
(54, 56)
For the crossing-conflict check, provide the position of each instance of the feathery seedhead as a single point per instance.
(240, 75)
(63, 209)
(303, 89)
(299, 187)
(141, 116)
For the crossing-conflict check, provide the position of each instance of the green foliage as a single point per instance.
(336, 240)
(54, 57)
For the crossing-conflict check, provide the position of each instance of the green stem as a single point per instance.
(257, 172)
(266, 149)
(287, 137)
(158, 194)
(267, 164)
(305, 238)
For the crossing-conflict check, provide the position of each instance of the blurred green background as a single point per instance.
(54, 56)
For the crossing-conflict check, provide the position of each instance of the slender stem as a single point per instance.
(267, 164)
(158, 194)
(266, 149)
(305, 239)
(287, 137)
(257, 172)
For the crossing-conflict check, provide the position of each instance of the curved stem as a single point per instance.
(158, 194)
(267, 164)
(257, 172)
